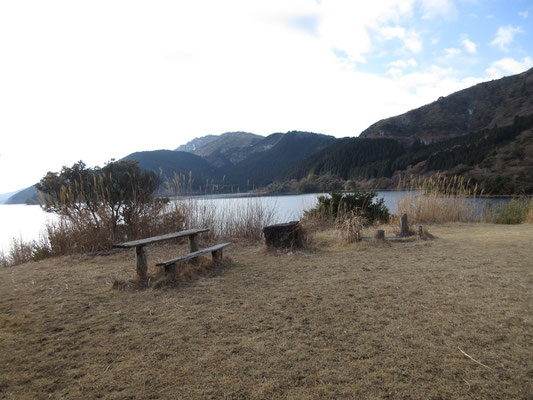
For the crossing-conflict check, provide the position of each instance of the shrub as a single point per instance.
(516, 211)
(20, 252)
(360, 202)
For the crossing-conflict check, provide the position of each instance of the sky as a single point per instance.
(97, 80)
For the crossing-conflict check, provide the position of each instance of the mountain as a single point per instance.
(24, 196)
(499, 159)
(350, 158)
(191, 170)
(5, 196)
(483, 106)
(275, 154)
(222, 150)
(197, 143)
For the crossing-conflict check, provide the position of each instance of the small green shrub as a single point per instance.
(514, 212)
(360, 202)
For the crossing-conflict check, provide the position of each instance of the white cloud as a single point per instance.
(398, 64)
(508, 66)
(410, 38)
(451, 52)
(505, 36)
(438, 8)
(395, 72)
(524, 14)
(403, 64)
(469, 46)
(347, 25)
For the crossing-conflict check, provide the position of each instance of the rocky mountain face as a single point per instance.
(222, 150)
(486, 105)
(234, 161)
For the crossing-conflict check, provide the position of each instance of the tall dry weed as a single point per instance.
(529, 216)
(440, 199)
(350, 224)
(224, 221)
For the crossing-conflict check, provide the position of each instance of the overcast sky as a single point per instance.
(95, 80)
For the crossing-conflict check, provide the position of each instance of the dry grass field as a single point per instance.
(360, 320)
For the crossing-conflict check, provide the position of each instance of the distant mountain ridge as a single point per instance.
(222, 150)
(483, 106)
(233, 161)
(484, 133)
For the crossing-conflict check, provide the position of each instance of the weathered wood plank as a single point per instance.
(142, 242)
(212, 249)
(140, 256)
(193, 242)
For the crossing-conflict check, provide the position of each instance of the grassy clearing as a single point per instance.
(343, 321)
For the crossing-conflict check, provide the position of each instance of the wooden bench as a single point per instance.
(216, 252)
(140, 254)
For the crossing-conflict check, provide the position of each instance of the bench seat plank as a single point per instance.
(195, 254)
(142, 242)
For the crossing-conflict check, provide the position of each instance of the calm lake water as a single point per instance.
(27, 222)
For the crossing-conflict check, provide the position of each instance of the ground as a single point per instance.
(445, 318)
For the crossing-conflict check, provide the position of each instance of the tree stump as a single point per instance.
(380, 234)
(404, 226)
(420, 231)
(287, 235)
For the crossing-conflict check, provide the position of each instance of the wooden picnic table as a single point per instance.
(140, 254)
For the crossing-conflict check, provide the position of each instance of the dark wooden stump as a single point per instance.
(420, 231)
(286, 235)
(380, 234)
(404, 226)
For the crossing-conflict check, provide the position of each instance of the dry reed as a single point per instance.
(244, 222)
(350, 224)
(85, 231)
(440, 199)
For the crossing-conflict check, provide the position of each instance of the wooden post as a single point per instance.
(380, 234)
(217, 255)
(420, 231)
(193, 241)
(170, 269)
(404, 226)
(140, 256)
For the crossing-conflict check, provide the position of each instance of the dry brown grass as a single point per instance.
(529, 216)
(440, 199)
(346, 321)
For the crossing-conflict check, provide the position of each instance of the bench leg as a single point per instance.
(140, 257)
(217, 255)
(170, 269)
(193, 241)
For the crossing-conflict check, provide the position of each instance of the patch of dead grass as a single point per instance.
(344, 321)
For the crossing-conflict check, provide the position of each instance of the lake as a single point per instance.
(27, 222)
